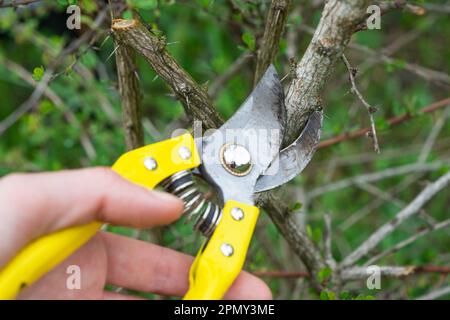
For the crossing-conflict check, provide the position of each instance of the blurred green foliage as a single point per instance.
(205, 37)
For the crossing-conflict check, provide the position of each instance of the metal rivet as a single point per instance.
(184, 153)
(150, 163)
(237, 213)
(227, 249)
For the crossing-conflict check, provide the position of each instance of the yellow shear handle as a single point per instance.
(222, 258)
(45, 253)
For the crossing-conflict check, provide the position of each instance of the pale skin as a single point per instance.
(32, 205)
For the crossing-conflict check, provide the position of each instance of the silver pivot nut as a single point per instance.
(236, 159)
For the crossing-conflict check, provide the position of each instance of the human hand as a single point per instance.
(33, 205)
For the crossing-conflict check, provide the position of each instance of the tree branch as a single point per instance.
(435, 294)
(194, 98)
(391, 122)
(338, 22)
(299, 242)
(411, 209)
(375, 176)
(358, 273)
(130, 95)
(370, 110)
(129, 88)
(275, 22)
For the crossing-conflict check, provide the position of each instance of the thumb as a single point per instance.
(40, 203)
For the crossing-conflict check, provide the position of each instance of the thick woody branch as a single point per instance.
(233, 69)
(339, 21)
(275, 22)
(193, 97)
(129, 88)
(131, 97)
(299, 242)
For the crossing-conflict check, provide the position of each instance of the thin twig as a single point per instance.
(327, 241)
(408, 241)
(49, 75)
(375, 176)
(370, 110)
(17, 3)
(412, 208)
(391, 122)
(85, 139)
(435, 294)
(232, 70)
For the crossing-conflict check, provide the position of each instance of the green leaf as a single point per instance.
(38, 73)
(128, 14)
(249, 40)
(331, 295)
(327, 295)
(324, 295)
(345, 295)
(295, 206)
(317, 235)
(324, 274)
(395, 65)
(381, 124)
(443, 169)
(46, 107)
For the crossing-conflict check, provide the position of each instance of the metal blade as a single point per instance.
(294, 158)
(258, 126)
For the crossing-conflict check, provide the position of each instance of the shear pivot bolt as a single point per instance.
(236, 159)
(237, 213)
(150, 163)
(227, 249)
(184, 153)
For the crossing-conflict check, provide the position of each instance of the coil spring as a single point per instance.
(206, 215)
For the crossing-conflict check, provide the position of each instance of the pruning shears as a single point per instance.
(240, 159)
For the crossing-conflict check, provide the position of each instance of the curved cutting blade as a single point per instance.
(294, 158)
(258, 126)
